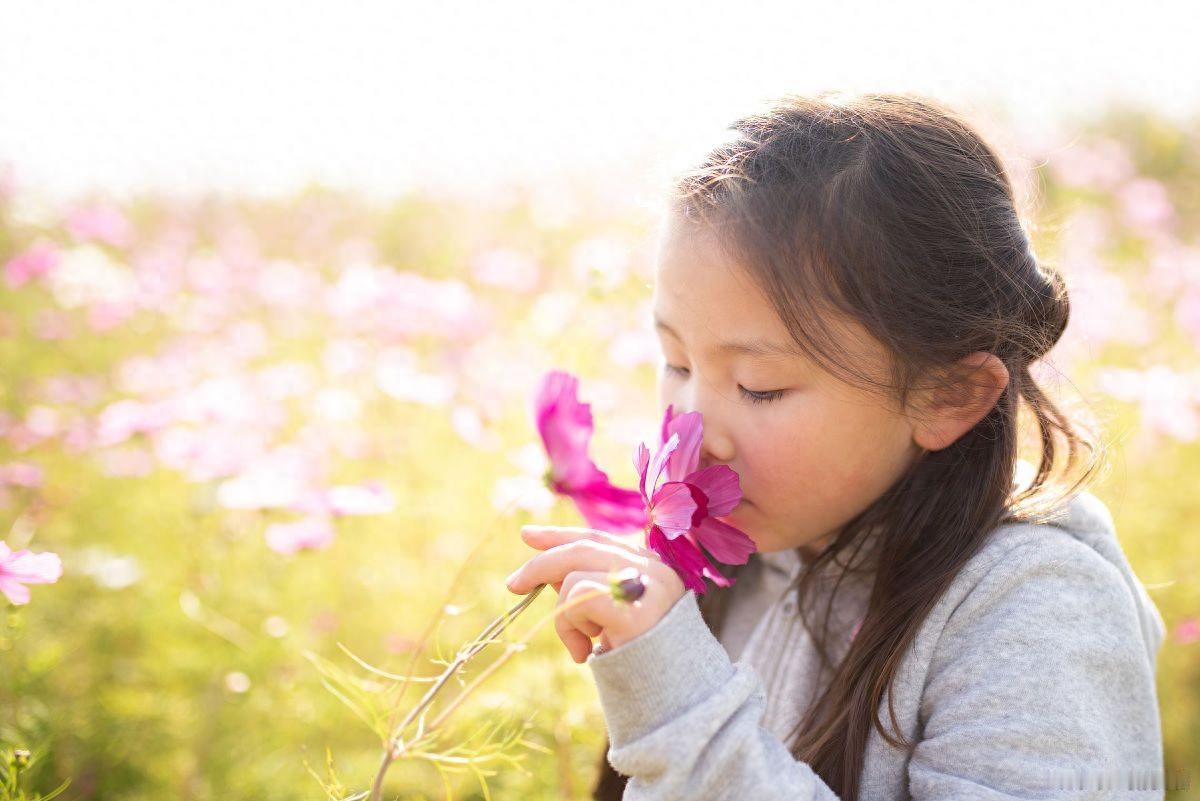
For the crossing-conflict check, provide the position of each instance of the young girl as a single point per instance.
(845, 290)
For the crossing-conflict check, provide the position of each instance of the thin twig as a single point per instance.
(480, 642)
(396, 745)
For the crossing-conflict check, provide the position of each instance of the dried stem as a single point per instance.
(396, 746)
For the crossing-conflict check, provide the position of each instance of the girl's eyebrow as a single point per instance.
(759, 347)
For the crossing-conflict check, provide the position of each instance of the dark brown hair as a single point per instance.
(891, 210)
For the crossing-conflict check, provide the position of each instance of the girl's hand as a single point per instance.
(578, 561)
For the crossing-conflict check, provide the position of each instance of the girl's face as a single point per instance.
(811, 451)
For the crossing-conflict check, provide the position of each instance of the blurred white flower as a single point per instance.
(633, 347)
(110, 570)
(237, 682)
(398, 376)
(292, 379)
(505, 268)
(600, 262)
(43, 421)
(1169, 399)
(522, 492)
(337, 405)
(468, 424)
(531, 458)
(86, 275)
(553, 311)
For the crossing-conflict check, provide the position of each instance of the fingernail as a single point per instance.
(508, 582)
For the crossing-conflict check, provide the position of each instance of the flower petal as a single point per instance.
(658, 463)
(16, 593)
(668, 416)
(673, 508)
(28, 567)
(690, 428)
(726, 543)
(682, 554)
(720, 485)
(683, 558)
(565, 426)
(308, 532)
(641, 462)
(611, 508)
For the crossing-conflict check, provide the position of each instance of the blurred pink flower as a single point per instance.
(684, 510)
(51, 325)
(1188, 631)
(21, 474)
(1187, 313)
(107, 315)
(368, 498)
(34, 262)
(281, 479)
(18, 568)
(122, 419)
(506, 268)
(104, 223)
(325, 621)
(399, 644)
(1145, 203)
(1169, 398)
(565, 426)
(314, 533)
(1102, 164)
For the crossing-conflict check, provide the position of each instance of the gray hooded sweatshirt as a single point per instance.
(1032, 677)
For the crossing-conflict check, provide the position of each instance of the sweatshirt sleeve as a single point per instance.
(1041, 686)
(683, 720)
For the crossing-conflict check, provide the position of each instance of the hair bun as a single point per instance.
(1048, 313)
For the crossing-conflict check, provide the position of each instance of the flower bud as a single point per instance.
(20, 758)
(628, 585)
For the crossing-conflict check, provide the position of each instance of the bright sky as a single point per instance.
(263, 96)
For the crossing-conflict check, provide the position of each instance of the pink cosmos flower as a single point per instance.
(1188, 631)
(565, 425)
(368, 498)
(38, 260)
(683, 511)
(309, 532)
(21, 474)
(103, 223)
(25, 567)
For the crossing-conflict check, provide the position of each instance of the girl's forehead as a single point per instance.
(705, 298)
(693, 276)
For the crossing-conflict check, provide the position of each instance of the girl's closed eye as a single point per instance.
(754, 396)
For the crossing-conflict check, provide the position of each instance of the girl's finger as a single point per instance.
(543, 537)
(574, 623)
(554, 564)
(584, 624)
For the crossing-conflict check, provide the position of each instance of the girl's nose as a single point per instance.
(717, 445)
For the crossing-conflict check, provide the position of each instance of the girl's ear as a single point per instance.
(947, 412)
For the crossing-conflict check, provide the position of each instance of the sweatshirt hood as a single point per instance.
(1087, 519)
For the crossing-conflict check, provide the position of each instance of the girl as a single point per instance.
(846, 292)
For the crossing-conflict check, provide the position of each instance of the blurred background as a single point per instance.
(278, 280)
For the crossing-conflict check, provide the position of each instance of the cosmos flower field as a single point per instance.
(260, 431)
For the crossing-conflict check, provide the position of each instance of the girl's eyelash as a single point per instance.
(760, 397)
(750, 395)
